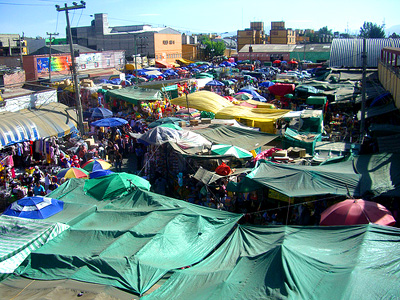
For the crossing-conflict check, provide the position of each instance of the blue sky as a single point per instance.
(36, 17)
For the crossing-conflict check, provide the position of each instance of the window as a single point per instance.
(108, 62)
(96, 64)
(171, 42)
(83, 66)
(165, 42)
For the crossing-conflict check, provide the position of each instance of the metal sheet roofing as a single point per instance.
(348, 52)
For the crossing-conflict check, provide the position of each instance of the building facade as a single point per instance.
(12, 45)
(88, 64)
(281, 35)
(163, 44)
(253, 35)
(389, 72)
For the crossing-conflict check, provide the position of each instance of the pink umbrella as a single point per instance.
(356, 211)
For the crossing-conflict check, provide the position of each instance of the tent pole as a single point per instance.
(287, 214)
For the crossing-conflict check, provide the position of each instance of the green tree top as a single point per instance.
(370, 30)
(325, 30)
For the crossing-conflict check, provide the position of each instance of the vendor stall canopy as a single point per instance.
(135, 95)
(53, 119)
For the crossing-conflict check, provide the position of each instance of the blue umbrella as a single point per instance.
(101, 112)
(109, 122)
(100, 173)
(34, 207)
(215, 83)
(256, 96)
(266, 83)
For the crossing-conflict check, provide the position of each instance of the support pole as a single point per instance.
(50, 34)
(75, 76)
(363, 88)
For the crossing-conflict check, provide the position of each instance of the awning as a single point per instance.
(185, 61)
(164, 64)
(135, 95)
(53, 119)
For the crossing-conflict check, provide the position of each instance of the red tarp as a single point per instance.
(281, 89)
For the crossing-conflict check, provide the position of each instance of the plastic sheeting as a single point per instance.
(203, 101)
(287, 262)
(19, 237)
(245, 138)
(134, 94)
(302, 181)
(129, 242)
(53, 119)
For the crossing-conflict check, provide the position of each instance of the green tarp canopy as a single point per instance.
(135, 94)
(293, 138)
(316, 100)
(19, 237)
(289, 262)
(129, 242)
(113, 185)
(237, 136)
(380, 174)
(302, 181)
(311, 121)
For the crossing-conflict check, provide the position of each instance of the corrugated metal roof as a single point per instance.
(348, 52)
(268, 48)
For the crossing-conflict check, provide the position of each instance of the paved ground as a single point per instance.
(128, 164)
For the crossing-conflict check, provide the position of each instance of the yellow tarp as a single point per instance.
(185, 61)
(260, 104)
(203, 101)
(263, 118)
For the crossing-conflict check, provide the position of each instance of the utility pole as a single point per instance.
(50, 34)
(75, 76)
(363, 88)
(19, 41)
(136, 73)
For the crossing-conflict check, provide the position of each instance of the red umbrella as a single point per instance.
(356, 211)
(276, 61)
(293, 62)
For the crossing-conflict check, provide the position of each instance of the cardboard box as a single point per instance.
(194, 122)
(296, 152)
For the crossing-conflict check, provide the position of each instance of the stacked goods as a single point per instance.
(87, 83)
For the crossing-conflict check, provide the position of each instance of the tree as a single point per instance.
(372, 31)
(394, 36)
(325, 31)
(212, 48)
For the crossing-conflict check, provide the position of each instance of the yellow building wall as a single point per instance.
(167, 47)
(189, 52)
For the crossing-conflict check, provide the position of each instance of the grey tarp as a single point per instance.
(375, 111)
(135, 95)
(244, 138)
(292, 262)
(208, 177)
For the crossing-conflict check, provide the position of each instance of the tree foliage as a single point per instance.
(371, 30)
(325, 31)
(212, 48)
(394, 36)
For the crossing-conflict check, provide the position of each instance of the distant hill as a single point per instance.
(395, 29)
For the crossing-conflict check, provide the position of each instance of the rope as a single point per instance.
(23, 289)
(288, 206)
